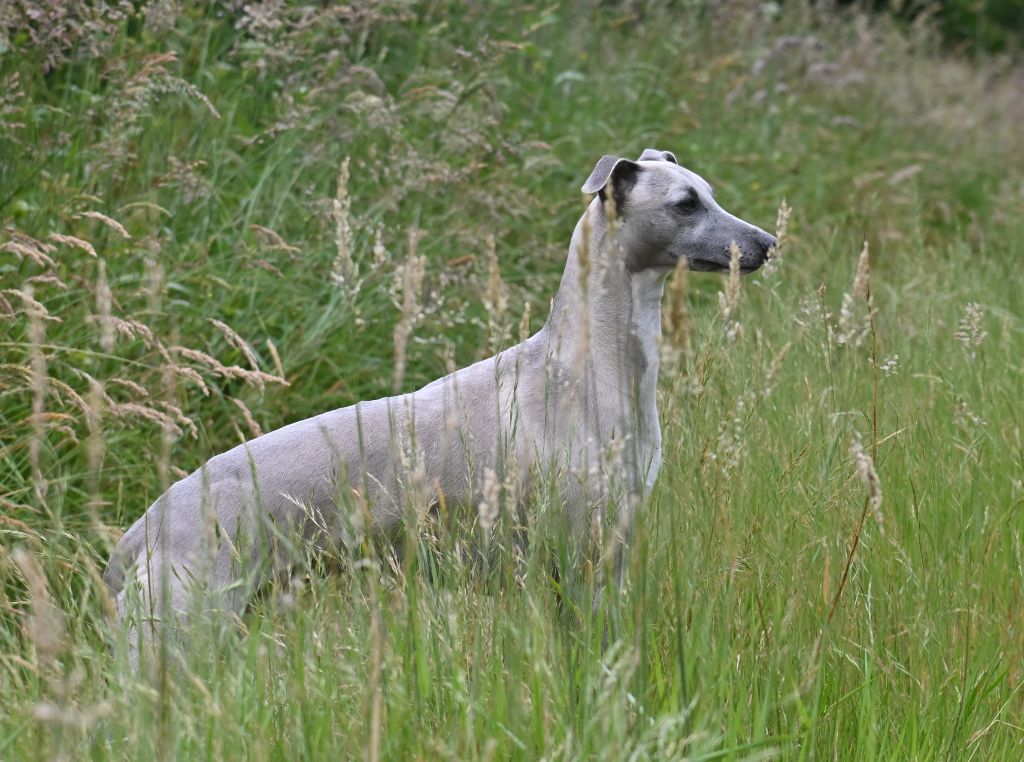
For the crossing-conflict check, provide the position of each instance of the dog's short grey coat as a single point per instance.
(555, 404)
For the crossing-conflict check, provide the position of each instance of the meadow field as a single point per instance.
(219, 218)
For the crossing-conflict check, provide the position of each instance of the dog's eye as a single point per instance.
(688, 203)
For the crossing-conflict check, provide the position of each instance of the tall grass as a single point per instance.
(831, 563)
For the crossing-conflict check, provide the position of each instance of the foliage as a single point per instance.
(185, 263)
(981, 26)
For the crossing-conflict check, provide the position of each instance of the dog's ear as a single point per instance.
(620, 174)
(653, 154)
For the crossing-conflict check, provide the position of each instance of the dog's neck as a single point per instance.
(605, 322)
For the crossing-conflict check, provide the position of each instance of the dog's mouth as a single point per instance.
(706, 266)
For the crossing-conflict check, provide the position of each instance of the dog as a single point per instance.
(574, 403)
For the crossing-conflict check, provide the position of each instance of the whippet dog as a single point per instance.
(557, 404)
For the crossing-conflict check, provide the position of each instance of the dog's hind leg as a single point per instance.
(195, 555)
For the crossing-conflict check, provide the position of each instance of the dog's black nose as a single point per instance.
(765, 242)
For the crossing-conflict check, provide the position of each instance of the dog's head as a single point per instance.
(668, 212)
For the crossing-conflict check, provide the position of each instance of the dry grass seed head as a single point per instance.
(524, 323)
(411, 275)
(583, 254)
(192, 375)
(26, 247)
(107, 220)
(381, 256)
(65, 393)
(677, 309)
(343, 270)
(104, 300)
(729, 297)
(775, 367)
(781, 227)
(583, 330)
(272, 240)
(495, 297)
(862, 281)
(175, 412)
(95, 444)
(970, 333)
(36, 340)
(237, 342)
(250, 421)
(272, 348)
(857, 307)
(123, 410)
(869, 477)
(48, 279)
(731, 294)
(774, 258)
(255, 378)
(74, 241)
(154, 280)
(132, 386)
(30, 305)
(196, 355)
(44, 625)
(488, 508)
(132, 329)
(94, 385)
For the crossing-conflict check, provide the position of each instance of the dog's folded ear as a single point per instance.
(619, 173)
(653, 154)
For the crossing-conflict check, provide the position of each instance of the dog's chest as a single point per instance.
(645, 340)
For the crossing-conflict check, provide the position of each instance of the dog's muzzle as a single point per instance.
(755, 254)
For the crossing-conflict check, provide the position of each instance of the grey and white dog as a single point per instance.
(575, 402)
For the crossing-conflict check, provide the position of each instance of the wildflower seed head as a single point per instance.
(890, 364)
(965, 418)
(970, 333)
(732, 445)
(380, 253)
